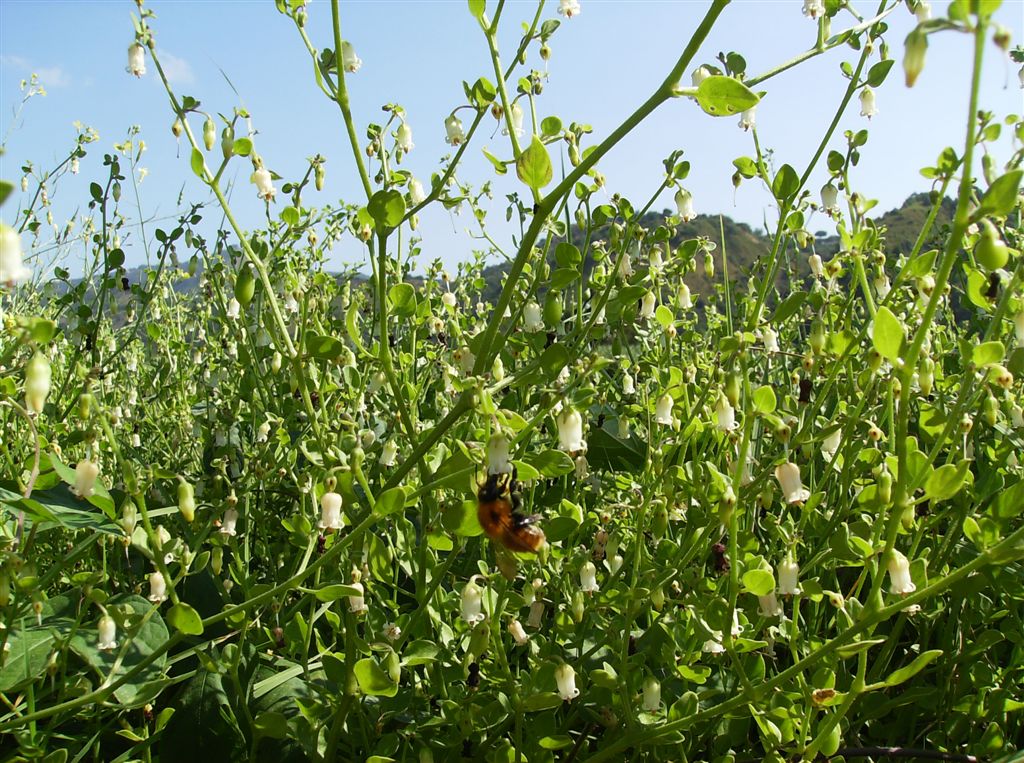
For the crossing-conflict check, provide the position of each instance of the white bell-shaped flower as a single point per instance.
(684, 205)
(565, 677)
(628, 384)
(814, 8)
(570, 431)
(725, 414)
(663, 410)
(228, 524)
(817, 266)
(788, 475)
(748, 119)
(699, 75)
(647, 305)
(533, 319)
(454, 134)
(830, 445)
(357, 603)
(569, 8)
(136, 59)
(12, 269)
(330, 511)
(899, 574)
(770, 337)
(157, 587)
(403, 137)
(233, 308)
(789, 577)
(349, 60)
(107, 634)
(519, 634)
(86, 472)
(768, 605)
(389, 453)
(416, 193)
(472, 603)
(264, 184)
(498, 455)
(588, 578)
(683, 298)
(867, 103)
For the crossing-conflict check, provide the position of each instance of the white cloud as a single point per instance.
(53, 76)
(49, 76)
(178, 70)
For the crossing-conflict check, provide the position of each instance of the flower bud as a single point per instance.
(227, 142)
(652, 694)
(915, 48)
(209, 133)
(37, 382)
(186, 501)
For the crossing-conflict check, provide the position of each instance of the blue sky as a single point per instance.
(605, 62)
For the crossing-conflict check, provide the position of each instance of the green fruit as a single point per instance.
(990, 251)
(245, 286)
(186, 501)
(553, 309)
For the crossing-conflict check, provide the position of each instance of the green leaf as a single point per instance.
(724, 96)
(1001, 196)
(545, 700)
(461, 519)
(184, 617)
(887, 334)
(242, 147)
(788, 307)
(389, 502)
(759, 582)
(323, 346)
(946, 481)
(499, 166)
(551, 463)
(27, 653)
(786, 183)
(198, 163)
(387, 208)
(477, 8)
(553, 359)
(878, 72)
(403, 299)
(764, 399)
(1010, 502)
(989, 352)
(373, 680)
(271, 724)
(6, 189)
(562, 278)
(336, 591)
(533, 166)
(550, 127)
(920, 662)
(290, 216)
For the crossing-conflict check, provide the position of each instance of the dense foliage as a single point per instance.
(782, 500)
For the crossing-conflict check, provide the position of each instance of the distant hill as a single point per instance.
(745, 245)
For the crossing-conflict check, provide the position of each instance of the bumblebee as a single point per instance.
(499, 509)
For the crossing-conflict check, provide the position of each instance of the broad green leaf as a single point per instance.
(373, 680)
(499, 166)
(878, 72)
(946, 481)
(550, 127)
(184, 618)
(545, 700)
(534, 165)
(242, 147)
(1010, 502)
(26, 655)
(759, 582)
(324, 347)
(336, 591)
(788, 307)
(551, 463)
(764, 399)
(906, 673)
(724, 96)
(1001, 196)
(786, 183)
(887, 334)
(290, 216)
(387, 208)
(477, 8)
(989, 352)
(461, 519)
(390, 501)
(271, 724)
(403, 299)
